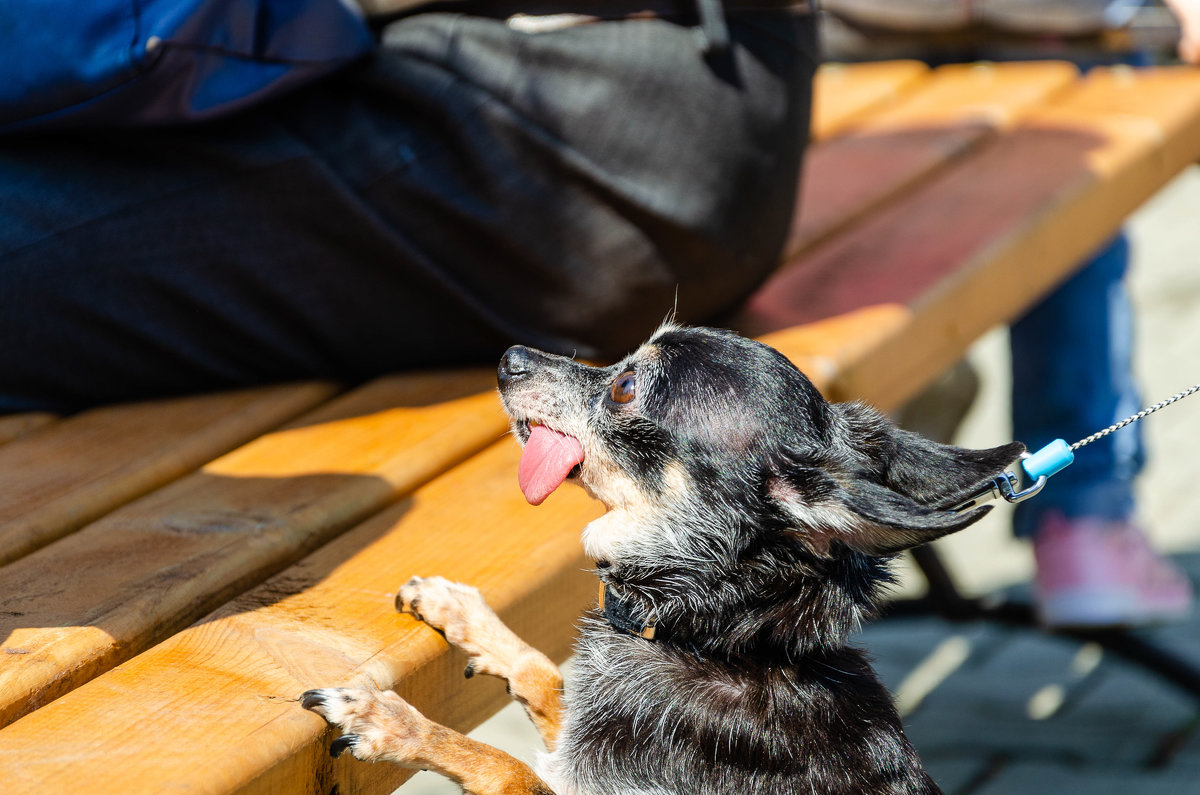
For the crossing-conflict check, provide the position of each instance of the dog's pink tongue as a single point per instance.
(548, 458)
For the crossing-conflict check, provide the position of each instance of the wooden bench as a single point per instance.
(176, 573)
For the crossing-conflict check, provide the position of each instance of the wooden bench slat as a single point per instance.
(952, 110)
(51, 489)
(216, 703)
(110, 590)
(1166, 96)
(845, 94)
(1123, 158)
(994, 94)
(821, 348)
(14, 426)
(1057, 187)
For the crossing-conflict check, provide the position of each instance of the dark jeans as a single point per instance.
(469, 188)
(1073, 376)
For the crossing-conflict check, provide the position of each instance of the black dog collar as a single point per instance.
(622, 616)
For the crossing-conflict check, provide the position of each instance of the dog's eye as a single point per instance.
(624, 389)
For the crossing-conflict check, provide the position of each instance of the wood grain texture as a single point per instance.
(14, 426)
(951, 110)
(73, 610)
(214, 708)
(70, 474)
(994, 94)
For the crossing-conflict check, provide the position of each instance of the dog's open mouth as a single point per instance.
(549, 458)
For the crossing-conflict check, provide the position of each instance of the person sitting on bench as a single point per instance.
(495, 172)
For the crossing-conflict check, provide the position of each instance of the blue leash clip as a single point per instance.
(1036, 469)
(1050, 460)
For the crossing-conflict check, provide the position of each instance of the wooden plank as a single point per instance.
(847, 93)
(1055, 188)
(51, 489)
(953, 109)
(1166, 97)
(820, 348)
(75, 609)
(995, 94)
(214, 707)
(14, 426)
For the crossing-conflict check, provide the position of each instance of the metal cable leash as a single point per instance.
(1036, 468)
(1129, 420)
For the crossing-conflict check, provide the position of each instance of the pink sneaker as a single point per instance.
(1092, 573)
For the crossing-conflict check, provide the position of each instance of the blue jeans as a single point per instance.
(1072, 376)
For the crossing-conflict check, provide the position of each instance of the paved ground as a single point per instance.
(996, 711)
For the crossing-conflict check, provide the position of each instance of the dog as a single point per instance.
(747, 536)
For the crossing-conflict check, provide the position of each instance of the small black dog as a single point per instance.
(748, 531)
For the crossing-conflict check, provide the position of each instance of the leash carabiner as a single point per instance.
(1050, 460)
(1036, 469)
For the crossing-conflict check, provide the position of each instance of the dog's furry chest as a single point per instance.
(647, 719)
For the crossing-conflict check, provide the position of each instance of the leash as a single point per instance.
(1037, 468)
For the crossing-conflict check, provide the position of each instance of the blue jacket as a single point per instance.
(71, 63)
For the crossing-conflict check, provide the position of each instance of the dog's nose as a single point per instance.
(515, 363)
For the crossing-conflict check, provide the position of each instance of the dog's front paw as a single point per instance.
(460, 613)
(376, 724)
(444, 605)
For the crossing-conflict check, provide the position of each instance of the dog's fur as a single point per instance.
(751, 521)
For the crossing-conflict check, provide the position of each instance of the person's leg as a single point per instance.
(1073, 376)
(471, 187)
(136, 265)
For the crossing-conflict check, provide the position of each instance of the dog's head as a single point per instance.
(702, 441)
(745, 512)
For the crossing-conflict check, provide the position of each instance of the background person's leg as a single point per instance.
(1073, 376)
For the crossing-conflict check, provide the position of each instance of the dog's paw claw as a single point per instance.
(377, 724)
(339, 746)
(314, 700)
(440, 603)
(408, 598)
(460, 615)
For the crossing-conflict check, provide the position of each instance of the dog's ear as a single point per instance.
(888, 491)
(823, 506)
(895, 522)
(930, 473)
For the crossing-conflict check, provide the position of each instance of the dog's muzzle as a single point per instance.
(515, 364)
